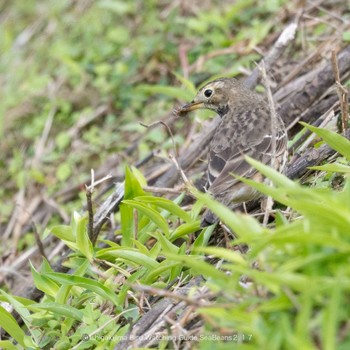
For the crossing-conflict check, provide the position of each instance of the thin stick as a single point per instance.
(272, 112)
(342, 92)
(136, 220)
(40, 148)
(329, 116)
(39, 242)
(182, 174)
(277, 49)
(168, 129)
(269, 200)
(90, 213)
(89, 190)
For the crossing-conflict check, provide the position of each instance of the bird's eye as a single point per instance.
(208, 92)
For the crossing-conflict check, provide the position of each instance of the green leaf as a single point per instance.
(133, 256)
(331, 315)
(26, 317)
(175, 271)
(199, 266)
(45, 267)
(203, 238)
(334, 140)
(44, 283)
(6, 344)
(63, 293)
(185, 230)
(127, 284)
(141, 248)
(238, 223)
(225, 254)
(277, 280)
(310, 202)
(83, 241)
(139, 176)
(277, 178)
(196, 209)
(155, 251)
(9, 324)
(132, 187)
(163, 268)
(59, 309)
(345, 194)
(167, 246)
(84, 282)
(334, 168)
(280, 219)
(63, 232)
(21, 300)
(151, 213)
(127, 224)
(167, 205)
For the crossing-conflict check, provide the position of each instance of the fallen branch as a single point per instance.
(311, 157)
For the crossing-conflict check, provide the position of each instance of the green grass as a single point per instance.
(116, 63)
(297, 299)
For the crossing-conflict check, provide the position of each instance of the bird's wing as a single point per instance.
(228, 150)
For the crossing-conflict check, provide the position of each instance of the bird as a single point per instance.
(246, 128)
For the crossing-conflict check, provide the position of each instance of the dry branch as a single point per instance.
(154, 320)
(276, 51)
(320, 80)
(311, 157)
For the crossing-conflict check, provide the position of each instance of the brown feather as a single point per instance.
(245, 129)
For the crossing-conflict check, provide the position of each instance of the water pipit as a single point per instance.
(246, 128)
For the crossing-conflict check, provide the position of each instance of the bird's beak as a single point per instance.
(190, 107)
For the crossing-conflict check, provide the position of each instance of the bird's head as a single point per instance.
(219, 95)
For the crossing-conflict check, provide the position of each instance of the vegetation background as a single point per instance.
(76, 80)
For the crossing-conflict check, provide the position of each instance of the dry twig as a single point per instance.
(39, 242)
(93, 234)
(269, 200)
(342, 93)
